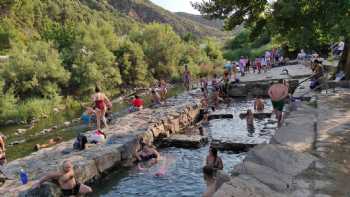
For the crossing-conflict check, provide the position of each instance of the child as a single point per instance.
(87, 116)
(258, 64)
(163, 90)
(156, 100)
(204, 84)
(259, 104)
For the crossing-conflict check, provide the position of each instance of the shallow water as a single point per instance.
(184, 177)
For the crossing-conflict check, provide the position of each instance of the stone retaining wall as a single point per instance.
(254, 88)
(273, 169)
(97, 160)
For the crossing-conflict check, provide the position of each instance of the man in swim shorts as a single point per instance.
(278, 93)
(66, 180)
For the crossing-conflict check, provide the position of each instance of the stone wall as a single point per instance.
(273, 169)
(92, 163)
(253, 89)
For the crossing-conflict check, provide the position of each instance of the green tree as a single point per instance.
(132, 66)
(35, 70)
(300, 23)
(162, 48)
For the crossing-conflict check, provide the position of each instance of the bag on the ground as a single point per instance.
(80, 142)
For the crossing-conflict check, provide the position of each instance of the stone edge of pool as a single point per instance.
(273, 169)
(92, 163)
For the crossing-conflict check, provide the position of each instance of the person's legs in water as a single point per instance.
(278, 109)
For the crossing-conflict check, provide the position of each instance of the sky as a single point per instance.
(177, 5)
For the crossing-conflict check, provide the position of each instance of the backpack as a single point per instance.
(80, 142)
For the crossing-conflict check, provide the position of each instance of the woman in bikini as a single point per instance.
(213, 160)
(2, 150)
(66, 180)
(100, 101)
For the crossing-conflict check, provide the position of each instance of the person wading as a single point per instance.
(100, 103)
(278, 93)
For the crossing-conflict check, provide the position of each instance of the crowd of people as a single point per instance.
(214, 92)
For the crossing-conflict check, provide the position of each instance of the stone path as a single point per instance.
(295, 71)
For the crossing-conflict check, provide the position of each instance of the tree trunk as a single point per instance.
(344, 63)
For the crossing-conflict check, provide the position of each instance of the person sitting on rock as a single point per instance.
(259, 104)
(137, 104)
(49, 143)
(2, 150)
(213, 160)
(209, 178)
(66, 180)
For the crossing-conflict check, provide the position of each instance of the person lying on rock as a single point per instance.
(2, 150)
(49, 143)
(259, 104)
(66, 180)
(213, 160)
(209, 178)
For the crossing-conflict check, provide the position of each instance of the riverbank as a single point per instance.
(65, 125)
(179, 112)
(308, 156)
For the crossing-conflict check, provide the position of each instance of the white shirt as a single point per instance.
(341, 46)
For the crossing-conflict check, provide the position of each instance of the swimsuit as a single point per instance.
(100, 104)
(278, 105)
(71, 192)
(148, 157)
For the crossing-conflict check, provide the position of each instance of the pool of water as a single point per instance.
(32, 136)
(184, 177)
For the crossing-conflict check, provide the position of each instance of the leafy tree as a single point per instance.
(35, 70)
(300, 23)
(162, 47)
(132, 66)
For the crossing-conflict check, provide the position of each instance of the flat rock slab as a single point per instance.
(236, 147)
(183, 141)
(261, 115)
(220, 116)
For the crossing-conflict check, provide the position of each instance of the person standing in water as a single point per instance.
(250, 122)
(259, 104)
(66, 180)
(278, 93)
(209, 178)
(2, 150)
(187, 78)
(163, 90)
(100, 101)
(213, 160)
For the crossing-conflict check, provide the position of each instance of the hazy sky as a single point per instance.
(177, 5)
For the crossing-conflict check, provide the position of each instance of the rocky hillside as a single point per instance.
(147, 12)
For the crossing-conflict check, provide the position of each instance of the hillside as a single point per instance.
(217, 24)
(147, 12)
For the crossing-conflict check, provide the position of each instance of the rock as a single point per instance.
(259, 115)
(54, 127)
(21, 131)
(67, 123)
(245, 186)
(229, 145)
(17, 142)
(220, 116)
(280, 158)
(56, 110)
(76, 120)
(183, 141)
